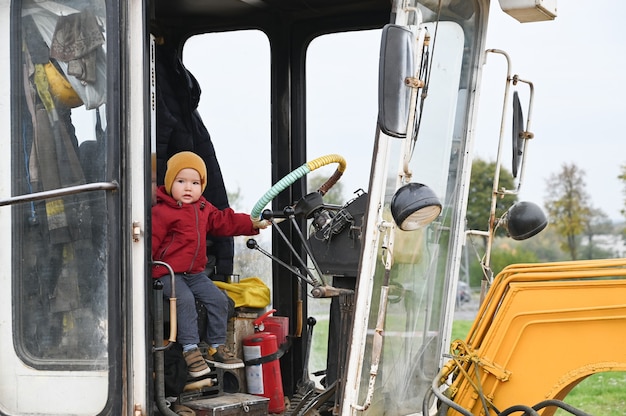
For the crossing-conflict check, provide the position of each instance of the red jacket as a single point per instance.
(179, 232)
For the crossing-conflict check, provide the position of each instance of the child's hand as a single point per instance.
(260, 224)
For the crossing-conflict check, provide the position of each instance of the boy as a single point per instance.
(181, 218)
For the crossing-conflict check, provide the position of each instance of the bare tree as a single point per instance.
(568, 206)
(234, 198)
(247, 262)
(597, 223)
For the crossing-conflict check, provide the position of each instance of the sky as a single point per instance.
(575, 63)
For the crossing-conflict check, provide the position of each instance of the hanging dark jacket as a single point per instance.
(180, 128)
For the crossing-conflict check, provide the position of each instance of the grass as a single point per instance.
(602, 394)
(460, 329)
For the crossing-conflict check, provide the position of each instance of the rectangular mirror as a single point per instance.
(396, 64)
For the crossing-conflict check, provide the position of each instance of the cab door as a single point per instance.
(62, 225)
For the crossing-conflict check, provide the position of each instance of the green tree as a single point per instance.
(568, 206)
(480, 192)
(478, 211)
(504, 254)
(547, 247)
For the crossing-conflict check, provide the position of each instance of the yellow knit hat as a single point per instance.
(184, 160)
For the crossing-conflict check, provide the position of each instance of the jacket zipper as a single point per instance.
(193, 260)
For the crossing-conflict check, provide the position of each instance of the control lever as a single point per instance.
(253, 245)
(306, 387)
(306, 384)
(290, 213)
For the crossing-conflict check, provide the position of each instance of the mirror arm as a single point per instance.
(415, 84)
(496, 179)
(499, 193)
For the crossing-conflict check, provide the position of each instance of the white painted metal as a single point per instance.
(136, 131)
(530, 10)
(26, 390)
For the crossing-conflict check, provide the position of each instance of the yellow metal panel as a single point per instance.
(541, 330)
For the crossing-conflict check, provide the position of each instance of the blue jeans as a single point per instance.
(190, 287)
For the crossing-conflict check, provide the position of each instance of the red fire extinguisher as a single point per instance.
(261, 354)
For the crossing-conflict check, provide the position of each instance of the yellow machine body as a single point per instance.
(541, 329)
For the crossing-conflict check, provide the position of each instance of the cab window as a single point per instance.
(59, 254)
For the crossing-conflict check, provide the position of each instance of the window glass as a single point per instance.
(342, 80)
(60, 258)
(416, 305)
(233, 72)
(342, 91)
(341, 118)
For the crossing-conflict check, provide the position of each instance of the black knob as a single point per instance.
(267, 214)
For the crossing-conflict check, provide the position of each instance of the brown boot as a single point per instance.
(196, 365)
(222, 357)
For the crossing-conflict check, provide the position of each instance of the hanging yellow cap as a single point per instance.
(60, 87)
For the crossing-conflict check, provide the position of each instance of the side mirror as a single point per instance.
(396, 64)
(517, 133)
